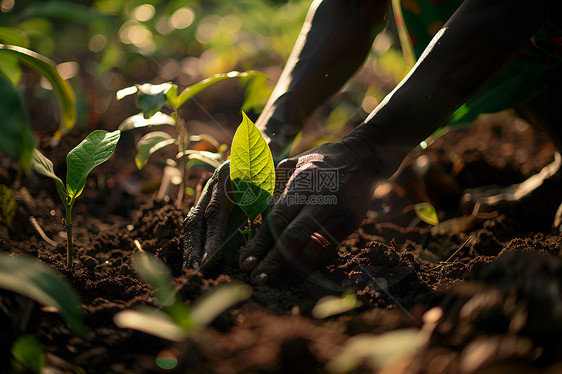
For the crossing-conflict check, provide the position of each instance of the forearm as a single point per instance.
(334, 41)
(474, 45)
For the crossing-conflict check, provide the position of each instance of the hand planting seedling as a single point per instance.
(252, 171)
(152, 98)
(97, 148)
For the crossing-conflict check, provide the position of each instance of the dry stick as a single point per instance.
(461, 247)
(38, 228)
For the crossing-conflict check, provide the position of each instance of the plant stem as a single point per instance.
(68, 227)
(182, 146)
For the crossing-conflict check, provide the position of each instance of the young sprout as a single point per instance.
(151, 99)
(252, 171)
(97, 148)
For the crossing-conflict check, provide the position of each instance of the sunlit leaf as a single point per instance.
(377, 350)
(194, 89)
(209, 158)
(427, 213)
(31, 278)
(47, 68)
(17, 138)
(150, 321)
(28, 352)
(252, 171)
(124, 92)
(151, 143)
(211, 305)
(97, 148)
(256, 91)
(332, 305)
(42, 165)
(138, 121)
(205, 138)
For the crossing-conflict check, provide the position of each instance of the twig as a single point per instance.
(41, 232)
(461, 247)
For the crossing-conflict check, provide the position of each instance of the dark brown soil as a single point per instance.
(500, 295)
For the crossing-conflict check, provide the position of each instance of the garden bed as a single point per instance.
(500, 295)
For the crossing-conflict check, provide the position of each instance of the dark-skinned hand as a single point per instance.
(321, 197)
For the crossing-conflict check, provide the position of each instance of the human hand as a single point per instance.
(323, 197)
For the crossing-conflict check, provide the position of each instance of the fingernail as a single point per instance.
(195, 266)
(249, 263)
(261, 279)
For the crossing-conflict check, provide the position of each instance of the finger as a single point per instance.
(194, 227)
(216, 219)
(288, 249)
(273, 225)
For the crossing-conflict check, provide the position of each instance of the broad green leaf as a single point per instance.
(194, 89)
(212, 304)
(152, 98)
(426, 212)
(35, 280)
(138, 120)
(12, 36)
(17, 138)
(150, 321)
(150, 143)
(252, 171)
(332, 305)
(48, 69)
(28, 352)
(97, 148)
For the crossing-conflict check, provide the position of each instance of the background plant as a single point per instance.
(97, 148)
(151, 99)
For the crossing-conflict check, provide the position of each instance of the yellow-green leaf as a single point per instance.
(252, 171)
(426, 212)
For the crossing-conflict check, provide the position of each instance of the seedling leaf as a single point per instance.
(138, 120)
(152, 98)
(97, 148)
(17, 138)
(252, 171)
(42, 165)
(210, 306)
(7, 206)
(377, 350)
(47, 68)
(426, 212)
(332, 305)
(157, 275)
(37, 281)
(150, 321)
(29, 352)
(151, 143)
(194, 89)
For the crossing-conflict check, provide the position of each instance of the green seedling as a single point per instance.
(152, 99)
(29, 277)
(97, 148)
(332, 305)
(427, 213)
(17, 137)
(174, 320)
(252, 171)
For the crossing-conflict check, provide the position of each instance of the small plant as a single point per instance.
(252, 171)
(427, 213)
(174, 320)
(97, 148)
(152, 99)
